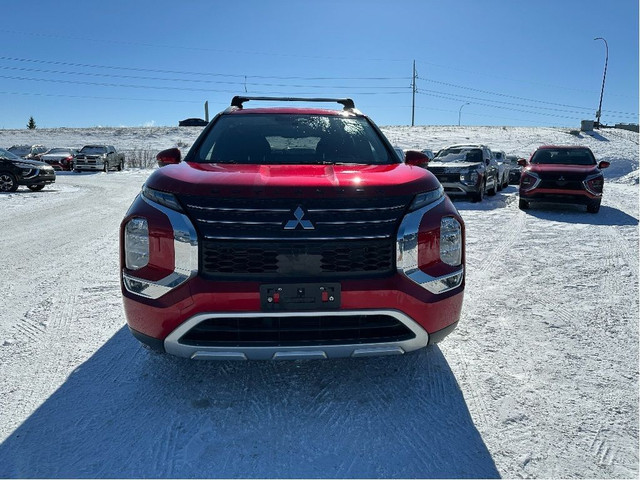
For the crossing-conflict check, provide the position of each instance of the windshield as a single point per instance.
(8, 155)
(93, 149)
(20, 150)
(464, 154)
(60, 150)
(280, 139)
(563, 156)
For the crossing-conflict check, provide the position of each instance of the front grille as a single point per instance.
(561, 184)
(296, 331)
(446, 174)
(268, 238)
(319, 259)
(284, 218)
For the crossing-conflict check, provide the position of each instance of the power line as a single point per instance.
(513, 96)
(177, 72)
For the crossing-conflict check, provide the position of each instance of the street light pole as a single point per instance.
(604, 76)
(460, 112)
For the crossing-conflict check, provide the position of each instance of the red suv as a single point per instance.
(289, 233)
(567, 175)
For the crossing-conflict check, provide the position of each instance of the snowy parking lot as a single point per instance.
(540, 379)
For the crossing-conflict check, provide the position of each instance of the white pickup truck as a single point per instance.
(98, 157)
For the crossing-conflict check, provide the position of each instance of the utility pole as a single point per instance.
(413, 93)
(604, 76)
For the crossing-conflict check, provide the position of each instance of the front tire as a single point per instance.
(106, 167)
(35, 188)
(8, 182)
(594, 207)
(494, 189)
(477, 197)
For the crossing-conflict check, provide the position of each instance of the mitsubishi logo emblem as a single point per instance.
(561, 179)
(293, 224)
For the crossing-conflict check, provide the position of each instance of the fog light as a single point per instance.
(450, 241)
(136, 243)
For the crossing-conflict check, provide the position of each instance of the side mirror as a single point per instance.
(416, 159)
(603, 164)
(522, 162)
(170, 156)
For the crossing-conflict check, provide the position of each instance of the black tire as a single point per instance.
(478, 196)
(594, 207)
(35, 188)
(120, 166)
(523, 204)
(494, 189)
(8, 182)
(106, 167)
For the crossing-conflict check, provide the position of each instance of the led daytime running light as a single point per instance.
(426, 198)
(163, 198)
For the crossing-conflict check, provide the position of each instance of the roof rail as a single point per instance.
(347, 103)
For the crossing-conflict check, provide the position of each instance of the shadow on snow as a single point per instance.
(578, 215)
(126, 412)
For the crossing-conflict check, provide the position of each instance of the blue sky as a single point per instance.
(485, 62)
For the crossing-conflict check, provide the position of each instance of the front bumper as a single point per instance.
(37, 177)
(565, 197)
(89, 166)
(454, 189)
(168, 318)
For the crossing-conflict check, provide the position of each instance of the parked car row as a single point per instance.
(89, 157)
(553, 174)
(34, 166)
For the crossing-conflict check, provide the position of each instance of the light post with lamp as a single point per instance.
(604, 76)
(460, 112)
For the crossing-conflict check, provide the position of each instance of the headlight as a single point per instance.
(450, 241)
(529, 181)
(163, 198)
(469, 176)
(136, 243)
(426, 198)
(594, 184)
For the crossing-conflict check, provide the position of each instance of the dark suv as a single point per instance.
(562, 174)
(15, 171)
(466, 170)
(291, 233)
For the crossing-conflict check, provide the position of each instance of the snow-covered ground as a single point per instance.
(540, 379)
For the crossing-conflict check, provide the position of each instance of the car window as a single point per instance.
(93, 149)
(20, 150)
(7, 155)
(279, 139)
(563, 157)
(457, 154)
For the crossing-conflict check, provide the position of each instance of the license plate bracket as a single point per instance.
(300, 297)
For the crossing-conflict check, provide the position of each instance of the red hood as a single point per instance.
(570, 169)
(292, 180)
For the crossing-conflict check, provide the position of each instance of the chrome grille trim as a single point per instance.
(297, 239)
